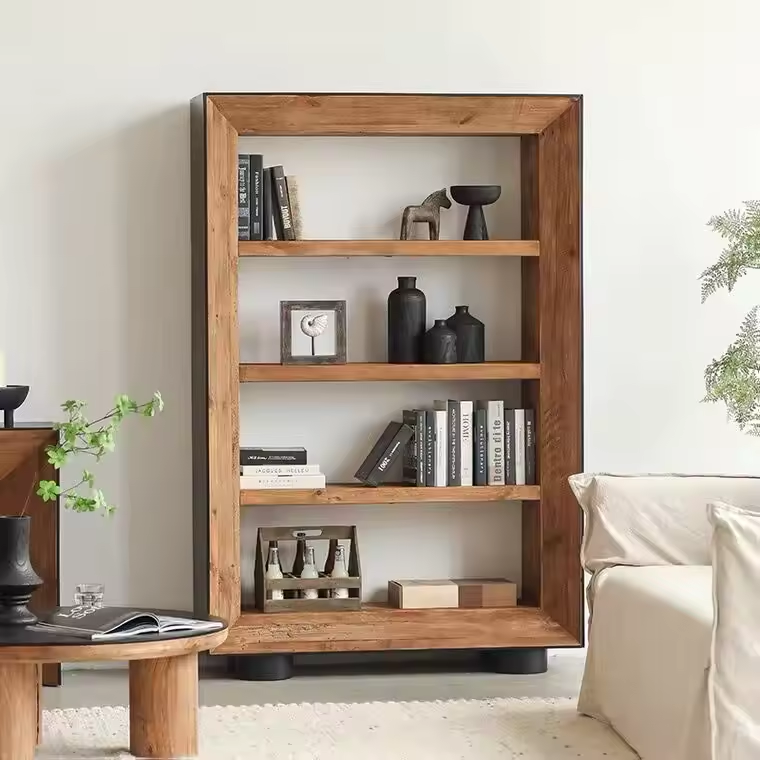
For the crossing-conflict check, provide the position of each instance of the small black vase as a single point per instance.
(440, 344)
(471, 336)
(18, 581)
(406, 322)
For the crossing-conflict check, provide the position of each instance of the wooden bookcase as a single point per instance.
(550, 613)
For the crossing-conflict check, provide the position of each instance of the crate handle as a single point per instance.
(307, 533)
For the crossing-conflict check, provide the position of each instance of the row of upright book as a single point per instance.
(457, 443)
(268, 202)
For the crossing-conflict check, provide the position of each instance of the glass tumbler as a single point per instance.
(89, 595)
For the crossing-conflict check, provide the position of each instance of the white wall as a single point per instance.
(94, 196)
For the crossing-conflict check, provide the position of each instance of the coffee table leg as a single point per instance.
(18, 710)
(39, 704)
(163, 706)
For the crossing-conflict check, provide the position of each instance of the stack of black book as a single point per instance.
(268, 203)
(457, 443)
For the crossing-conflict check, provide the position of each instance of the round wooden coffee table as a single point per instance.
(163, 687)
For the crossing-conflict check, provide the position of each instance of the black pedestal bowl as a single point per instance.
(475, 196)
(11, 398)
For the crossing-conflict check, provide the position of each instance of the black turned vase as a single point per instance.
(440, 344)
(406, 322)
(471, 336)
(18, 581)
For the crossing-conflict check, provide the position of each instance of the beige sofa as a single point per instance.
(648, 546)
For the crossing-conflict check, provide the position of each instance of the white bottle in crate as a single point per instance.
(340, 571)
(310, 571)
(274, 572)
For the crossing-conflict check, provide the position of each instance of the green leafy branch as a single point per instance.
(96, 438)
(734, 378)
(741, 229)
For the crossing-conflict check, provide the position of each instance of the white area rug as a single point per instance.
(528, 729)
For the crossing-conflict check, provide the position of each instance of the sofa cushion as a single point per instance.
(735, 676)
(653, 519)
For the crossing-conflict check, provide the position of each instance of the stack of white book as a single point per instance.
(253, 477)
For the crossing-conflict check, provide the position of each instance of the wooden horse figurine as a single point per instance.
(429, 211)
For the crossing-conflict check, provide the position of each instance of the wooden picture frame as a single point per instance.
(335, 329)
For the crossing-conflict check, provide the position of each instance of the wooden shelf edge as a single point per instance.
(379, 627)
(319, 248)
(381, 371)
(400, 494)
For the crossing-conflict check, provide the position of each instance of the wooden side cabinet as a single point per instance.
(23, 463)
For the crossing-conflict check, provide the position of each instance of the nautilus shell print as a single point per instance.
(313, 325)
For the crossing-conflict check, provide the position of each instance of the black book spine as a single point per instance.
(257, 197)
(267, 226)
(419, 441)
(455, 474)
(254, 456)
(282, 212)
(244, 197)
(429, 448)
(276, 218)
(413, 462)
(480, 448)
(530, 447)
(510, 473)
(392, 452)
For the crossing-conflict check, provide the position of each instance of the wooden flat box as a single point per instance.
(422, 595)
(486, 592)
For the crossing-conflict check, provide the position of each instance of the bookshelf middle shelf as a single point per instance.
(319, 248)
(381, 371)
(350, 494)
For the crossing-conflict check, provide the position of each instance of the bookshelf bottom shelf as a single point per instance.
(355, 493)
(379, 627)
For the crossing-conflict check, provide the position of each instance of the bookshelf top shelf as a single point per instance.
(355, 493)
(343, 248)
(381, 371)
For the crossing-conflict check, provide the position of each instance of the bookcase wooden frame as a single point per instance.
(551, 606)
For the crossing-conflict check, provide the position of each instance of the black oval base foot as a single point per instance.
(263, 667)
(528, 661)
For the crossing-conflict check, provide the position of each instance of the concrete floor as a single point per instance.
(90, 688)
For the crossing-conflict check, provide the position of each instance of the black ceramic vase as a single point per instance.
(406, 322)
(440, 344)
(471, 336)
(18, 581)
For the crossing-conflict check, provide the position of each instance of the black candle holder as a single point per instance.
(475, 196)
(11, 398)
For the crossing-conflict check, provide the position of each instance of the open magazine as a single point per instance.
(99, 623)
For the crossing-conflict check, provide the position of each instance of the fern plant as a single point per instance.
(734, 378)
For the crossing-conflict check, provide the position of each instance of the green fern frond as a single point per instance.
(741, 229)
(734, 378)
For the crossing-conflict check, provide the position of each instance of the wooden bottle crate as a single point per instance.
(313, 536)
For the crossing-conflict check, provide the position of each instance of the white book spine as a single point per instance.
(520, 447)
(496, 443)
(465, 442)
(253, 482)
(441, 448)
(259, 471)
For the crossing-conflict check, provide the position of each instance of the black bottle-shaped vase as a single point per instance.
(18, 581)
(471, 336)
(406, 322)
(440, 344)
